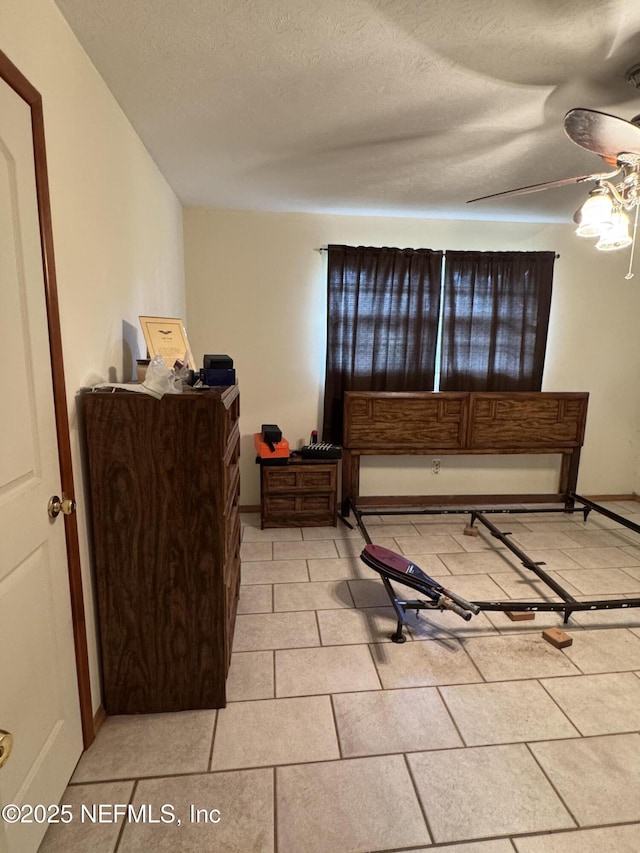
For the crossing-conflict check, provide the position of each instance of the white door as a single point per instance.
(38, 685)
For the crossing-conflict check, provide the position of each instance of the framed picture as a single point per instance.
(167, 337)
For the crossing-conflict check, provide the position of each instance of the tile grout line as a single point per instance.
(465, 745)
(422, 750)
(315, 613)
(275, 672)
(569, 830)
(213, 738)
(560, 708)
(553, 787)
(476, 667)
(124, 822)
(275, 809)
(419, 799)
(375, 667)
(337, 727)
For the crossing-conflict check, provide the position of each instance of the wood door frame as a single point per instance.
(19, 83)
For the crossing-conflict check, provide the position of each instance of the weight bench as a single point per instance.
(391, 566)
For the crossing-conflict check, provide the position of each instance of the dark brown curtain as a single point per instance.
(382, 322)
(496, 315)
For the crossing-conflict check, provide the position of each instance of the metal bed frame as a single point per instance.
(394, 567)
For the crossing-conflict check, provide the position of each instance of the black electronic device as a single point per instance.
(217, 362)
(271, 434)
(218, 376)
(322, 450)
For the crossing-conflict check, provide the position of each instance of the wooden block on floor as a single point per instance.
(470, 530)
(557, 638)
(520, 615)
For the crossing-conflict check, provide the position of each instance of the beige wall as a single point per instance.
(256, 287)
(117, 225)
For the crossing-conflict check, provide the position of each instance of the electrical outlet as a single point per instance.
(435, 466)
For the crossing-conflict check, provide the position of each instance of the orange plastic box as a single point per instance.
(280, 448)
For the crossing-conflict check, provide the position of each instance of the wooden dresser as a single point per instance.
(164, 485)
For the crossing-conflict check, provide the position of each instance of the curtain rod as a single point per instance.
(326, 249)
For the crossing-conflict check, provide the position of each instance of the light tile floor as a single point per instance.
(472, 737)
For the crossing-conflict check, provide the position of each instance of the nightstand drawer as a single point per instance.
(299, 503)
(291, 479)
(299, 494)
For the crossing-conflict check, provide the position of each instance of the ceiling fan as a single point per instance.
(616, 193)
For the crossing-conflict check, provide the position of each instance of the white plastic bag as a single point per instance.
(159, 380)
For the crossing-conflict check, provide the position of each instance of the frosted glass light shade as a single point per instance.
(617, 237)
(595, 216)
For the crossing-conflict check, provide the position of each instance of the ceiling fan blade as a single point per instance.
(534, 188)
(602, 133)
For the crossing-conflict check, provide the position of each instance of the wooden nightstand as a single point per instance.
(302, 493)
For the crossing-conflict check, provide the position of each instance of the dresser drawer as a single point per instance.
(232, 593)
(232, 489)
(232, 535)
(232, 446)
(231, 400)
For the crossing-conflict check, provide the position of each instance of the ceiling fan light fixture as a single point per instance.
(617, 237)
(596, 214)
(632, 76)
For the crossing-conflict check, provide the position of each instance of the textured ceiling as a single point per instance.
(398, 107)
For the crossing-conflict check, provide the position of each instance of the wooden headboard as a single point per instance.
(379, 423)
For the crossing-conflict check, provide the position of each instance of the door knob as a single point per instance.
(67, 506)
(6, 744)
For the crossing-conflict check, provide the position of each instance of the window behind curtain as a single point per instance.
(495, 320)
(382, 324)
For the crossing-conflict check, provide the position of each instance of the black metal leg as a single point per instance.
(399, 637)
